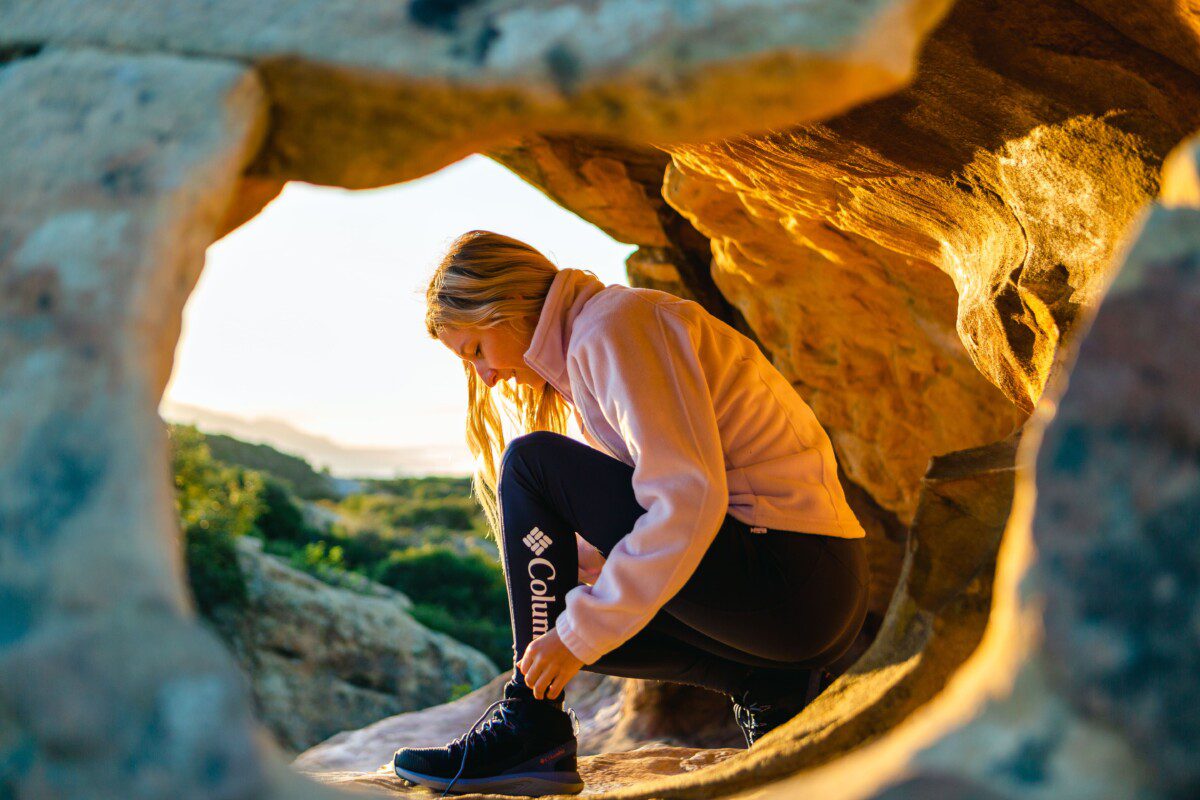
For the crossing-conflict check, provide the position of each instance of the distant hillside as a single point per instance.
(425, 538)
(342, 460)
(304, 480)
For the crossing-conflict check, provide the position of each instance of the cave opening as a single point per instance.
(915, 205)
(316, 237)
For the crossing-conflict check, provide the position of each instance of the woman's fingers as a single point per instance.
(535, 677)
(543, 680)
(547, 679)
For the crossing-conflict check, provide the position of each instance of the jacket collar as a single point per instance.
(547, 354)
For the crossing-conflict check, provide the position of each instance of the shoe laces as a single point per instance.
(749, 716)
(574, 721)
(491, 727)
(745, 706)
(754, 716)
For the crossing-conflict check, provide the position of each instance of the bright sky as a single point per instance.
(311, 313)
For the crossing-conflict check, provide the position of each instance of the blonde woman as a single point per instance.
(701, 535)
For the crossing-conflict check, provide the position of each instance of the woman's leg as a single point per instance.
(746, 604)
(548, 483)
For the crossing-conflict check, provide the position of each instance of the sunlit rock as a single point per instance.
(370, 93)
(899, 257)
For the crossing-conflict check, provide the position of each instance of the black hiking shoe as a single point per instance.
(525, 747)
(757, 714)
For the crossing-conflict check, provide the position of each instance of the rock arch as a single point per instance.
(919, 244)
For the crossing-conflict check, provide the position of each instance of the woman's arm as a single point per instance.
(641, 362)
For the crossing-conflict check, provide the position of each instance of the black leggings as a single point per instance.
(774, 602)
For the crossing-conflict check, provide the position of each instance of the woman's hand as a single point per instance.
(548, 666)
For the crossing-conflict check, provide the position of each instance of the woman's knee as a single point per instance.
(521, 449)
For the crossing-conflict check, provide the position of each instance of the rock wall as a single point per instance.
(920, 245)
(899, 257)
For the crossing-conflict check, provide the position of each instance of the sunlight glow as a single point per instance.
(310, 317)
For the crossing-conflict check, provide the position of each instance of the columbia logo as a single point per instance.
(557, 753)
(537, 541)
(758, 529)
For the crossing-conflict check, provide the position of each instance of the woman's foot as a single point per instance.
(519, 745)
(759, 710)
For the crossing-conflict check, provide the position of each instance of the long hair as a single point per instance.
(487, 279)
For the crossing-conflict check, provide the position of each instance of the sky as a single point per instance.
(310, 315)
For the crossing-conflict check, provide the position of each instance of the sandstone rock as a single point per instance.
(949, 233)
(602, 774)
(371, 92)
(117, 169)
(604, 705)
(1084, 683)
(323, 659)
(921, 266)
(1170, 27)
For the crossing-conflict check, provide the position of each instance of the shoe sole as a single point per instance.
(530, 784)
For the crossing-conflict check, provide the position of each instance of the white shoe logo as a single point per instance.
(537, 541)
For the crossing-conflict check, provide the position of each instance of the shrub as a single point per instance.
(281, 519)
(488, 637)
(213, 571)
(469, 586)
(215, 504)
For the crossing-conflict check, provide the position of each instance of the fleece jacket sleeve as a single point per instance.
(643, 366)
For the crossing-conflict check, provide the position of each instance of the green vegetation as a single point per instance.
(216, 503)
(293, 471)
(425, 537)
(456, 594)
(459, 690)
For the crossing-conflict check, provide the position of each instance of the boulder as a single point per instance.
(324, 659)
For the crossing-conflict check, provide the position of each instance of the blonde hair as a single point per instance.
(484, 280)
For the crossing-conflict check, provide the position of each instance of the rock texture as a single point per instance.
(899, 257)
(1084, 684)
(125, 164)
(323, 659)
(606, 713)
(932, 251)
(371, 92)
(1118, 502)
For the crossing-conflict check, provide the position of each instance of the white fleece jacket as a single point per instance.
(708, 425)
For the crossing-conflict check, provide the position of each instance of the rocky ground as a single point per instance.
(612, 755)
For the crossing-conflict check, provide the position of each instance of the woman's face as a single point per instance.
(497, 353)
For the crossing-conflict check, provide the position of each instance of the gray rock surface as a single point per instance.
(116, 169)
(323, 659)
(371, 92)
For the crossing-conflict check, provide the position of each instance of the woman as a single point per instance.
(700, 537)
